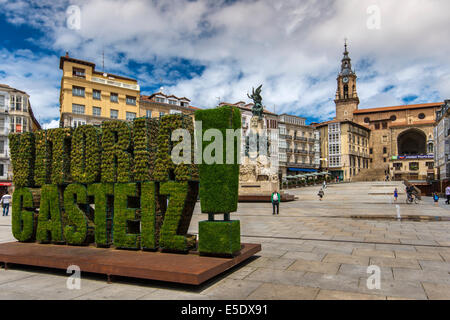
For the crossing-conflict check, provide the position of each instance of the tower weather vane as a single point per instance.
(257, 109)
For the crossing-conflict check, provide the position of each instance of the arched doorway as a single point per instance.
(412, 142)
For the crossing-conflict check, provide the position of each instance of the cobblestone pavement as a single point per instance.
(312, 250)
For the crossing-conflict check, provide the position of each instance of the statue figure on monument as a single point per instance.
(257, 108)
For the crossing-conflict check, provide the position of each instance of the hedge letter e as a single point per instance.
(74, 281)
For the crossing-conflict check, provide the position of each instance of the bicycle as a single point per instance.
(412, 198)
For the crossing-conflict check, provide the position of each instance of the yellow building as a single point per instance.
(88, 96)
(344, 148)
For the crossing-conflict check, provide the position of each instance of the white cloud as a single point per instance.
(51, 125)
(292, 47)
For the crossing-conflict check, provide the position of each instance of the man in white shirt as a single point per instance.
(6, 200)
(447, 193)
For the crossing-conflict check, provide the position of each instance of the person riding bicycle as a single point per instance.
(409, 192)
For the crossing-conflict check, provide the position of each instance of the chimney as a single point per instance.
(67, 54)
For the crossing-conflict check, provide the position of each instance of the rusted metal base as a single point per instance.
(180, 268)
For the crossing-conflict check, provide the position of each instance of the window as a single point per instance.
(371, 151)
(430, 165)
(384, 150)
(377, 126)
(77, 108)
(161, 114)
(130, 115)
(18, 124)
(160, 100)
(148, 113)
(79, 73)
(11, 122)
(78, 91)
(366, 120)
(398, 166)
(422, 116)
(114, 97)
(2, 124)
(413, 166)
(2, 169)
(16, 103)
(430, 148)
(25, 104)
(131, 100)
(2, 101)
(174, 102)
(384, 159)
(384, 125)
(393, 118)
(2, 146)
(184, 104)
(77, 123)
(25, 124)
(114, 114)
(97, 94)
(96, 111)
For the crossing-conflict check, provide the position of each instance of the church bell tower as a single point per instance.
(346, 98)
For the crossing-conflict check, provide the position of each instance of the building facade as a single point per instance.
(270, 124)
(89, 96)
(344, 148)
(159, 104)
(370, 144)
(16, 116)
(299, 146)
(442, 144)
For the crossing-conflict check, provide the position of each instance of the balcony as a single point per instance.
(300, 139)
(301, 151)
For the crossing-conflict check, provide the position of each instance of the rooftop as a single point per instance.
(395, 108)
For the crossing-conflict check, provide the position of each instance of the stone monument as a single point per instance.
(258, 172)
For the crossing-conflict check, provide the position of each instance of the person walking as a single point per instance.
(447, 194)
(324, 184)
(321, 194)
(395, 195)
(276, 199)
(5, 201)
(436, 199)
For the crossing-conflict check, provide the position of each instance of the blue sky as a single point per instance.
(208, 50)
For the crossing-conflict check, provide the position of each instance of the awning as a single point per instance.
(302, 170)
(5, 184)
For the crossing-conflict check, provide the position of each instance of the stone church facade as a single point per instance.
(370, 144)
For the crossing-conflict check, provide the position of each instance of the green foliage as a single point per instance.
(103, 213)
(168, 238)
(165, 169)
(75, 232)
(86, 154)
(145, 132)
(61, 141)
(148, 216)
(123, 215)
(219, 182)
(49, 221)
(43, 158)
(219, 237)
(22, 219)
(116, 156)
(22, 158)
